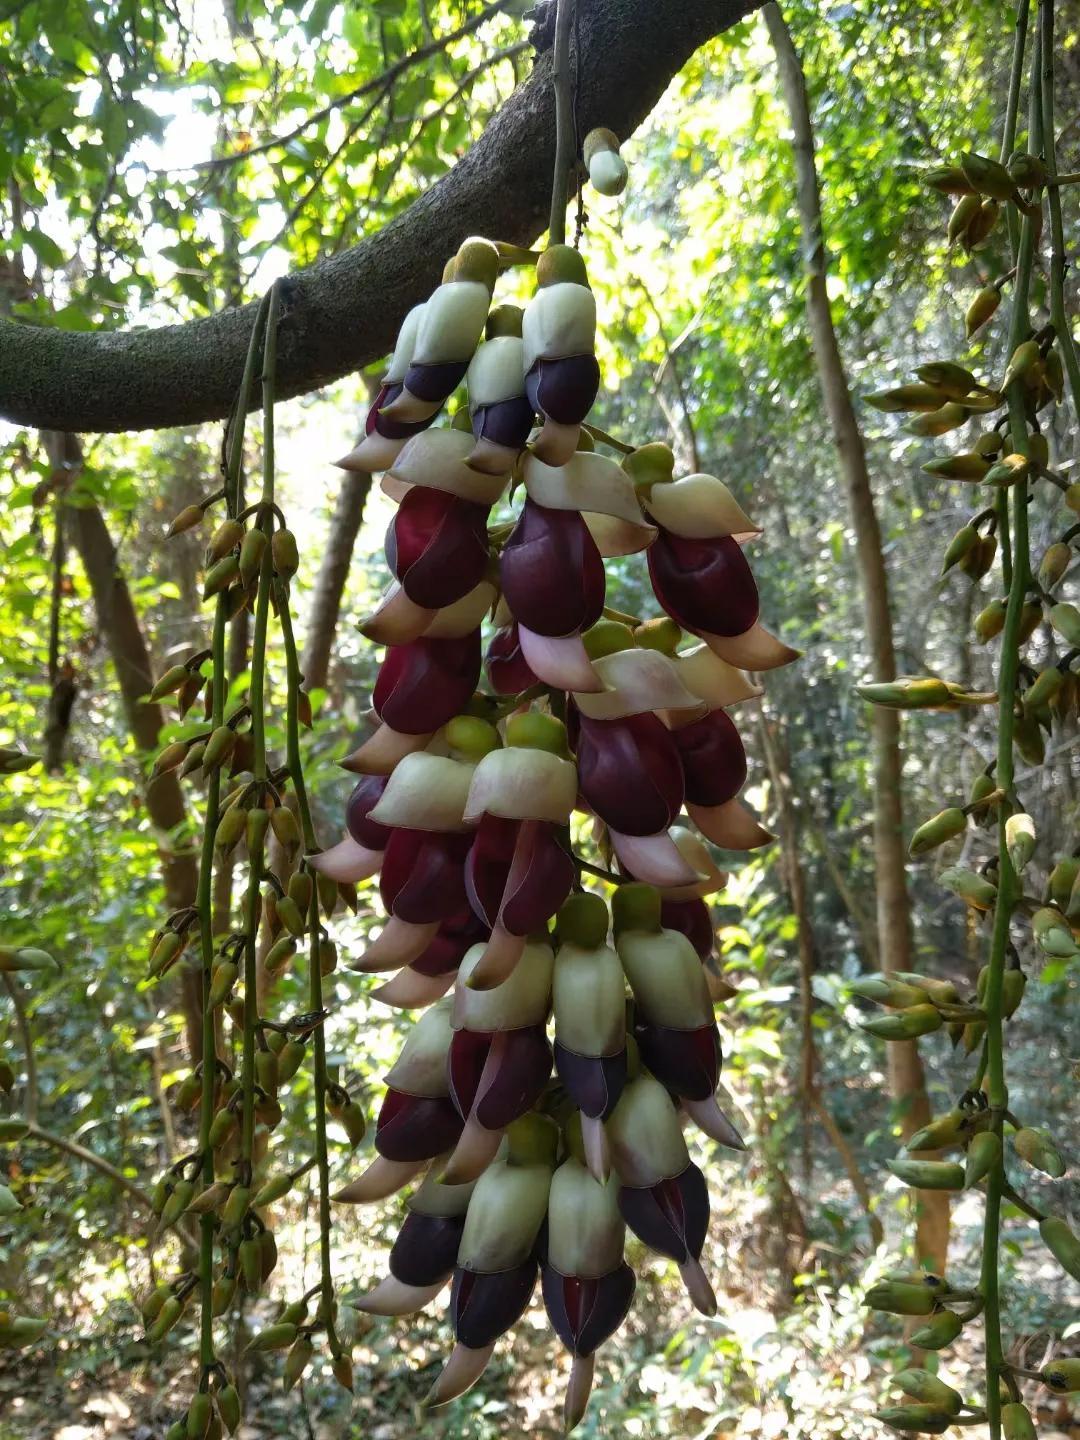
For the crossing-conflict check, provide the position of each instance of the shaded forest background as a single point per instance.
(136, 189)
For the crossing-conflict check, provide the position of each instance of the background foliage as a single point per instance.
(135, 188)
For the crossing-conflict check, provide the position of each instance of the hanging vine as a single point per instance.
(1013, 459)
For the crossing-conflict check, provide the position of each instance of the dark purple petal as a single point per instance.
(564, 389)
(518, 1067)
(424, 684)
(488, 866)
(540, 878)
(692, 919)
(507, 668)
(551, 572)
(498, 1077)
(713, 759)
(362, 800)
(586, 1312)
(423, 875)
(435, 382)
(671, 1217)
(426, 1247)
(687, 1062)
(629, 772)
(507, 422)
(456, 935)
(483, 1307)
(416, 1127)
(594, 1083)
(704, 585)
(437, 546)
(389, 428)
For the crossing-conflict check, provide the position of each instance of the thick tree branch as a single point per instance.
(344, 311)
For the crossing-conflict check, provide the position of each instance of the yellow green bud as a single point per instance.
(945, 825)
(983, 1155)
(929, 1174)
(982, 308)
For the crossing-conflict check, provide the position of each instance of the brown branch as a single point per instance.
(343, 312)
(80, 1152)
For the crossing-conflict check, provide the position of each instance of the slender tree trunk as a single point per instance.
(906, 1077)
(333, 573)
(119, 625)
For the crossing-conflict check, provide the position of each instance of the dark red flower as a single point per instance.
(704, 585)
(517, 873)
(361, 802)
(424, 684)
(692, 919)
(586, 1311)
(507, 668)
(426, 1247)
(455, 936)
(483, 1307)
(629, 772)
(713, 759)
(498, 1077)
(437, 546)
(551, 572)
(423, 875)
(416, 1127)
(670, 1217)
(565, 388)
(385, 425)
(686, 1062)
(593, 1082)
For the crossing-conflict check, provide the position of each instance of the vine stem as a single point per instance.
(1008, 884)
(1058, 314)
(315, 986)
(564, 122)
(258, 734)
(204, 900)
(1012, 108)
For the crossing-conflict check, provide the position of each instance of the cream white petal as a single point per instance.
(586, 1232)
(731, 826)
(398, 943)
(559, 320)
(555, 444)
(619, 537)
(646, 1139)
(393, 1297)
(405, 346)
(420, 1068)
(700, 507)
(347, 862)
(504, 1217)
(381, 1179)
(695, 852)
(375, 452)
(559, 660)
(653, 859)
(667, 978)
(460, 1373)
(410, 989)
(396, 619)
(452, 323)
(436, 458)
(718, 683)
(455, 621)
(383, 750)
(636, 681)
(425, 792)
(587, 482)
(517, 783)
(522, 999)
(497, 371)
(755, 649)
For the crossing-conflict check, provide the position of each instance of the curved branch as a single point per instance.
(343, 312)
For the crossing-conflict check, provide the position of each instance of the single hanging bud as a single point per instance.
(587, 1284)
(606, 167)
(448, 332)
(561, 372)
(590, 1020)
(946, 825)
(500, 411)
(982, 308)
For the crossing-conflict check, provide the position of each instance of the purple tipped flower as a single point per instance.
(593, 1082)
(506, 422)
(484, 1306)
(552, 574)
(629, 772)
(713, 759)
(517, 873)
(416, 1127)
(686, 1062)
(586, 1311)
(564, 389)
(671, 1217)
(426, 683)
(437, 546)
(704, 585)
(496, 1078)
(426, 1247)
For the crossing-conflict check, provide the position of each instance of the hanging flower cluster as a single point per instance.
(538, 1146)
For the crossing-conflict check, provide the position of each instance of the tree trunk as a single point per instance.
(333, 572)
(906, 1079)
(118, 623)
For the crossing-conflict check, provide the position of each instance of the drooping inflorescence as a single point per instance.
(540, 1102)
